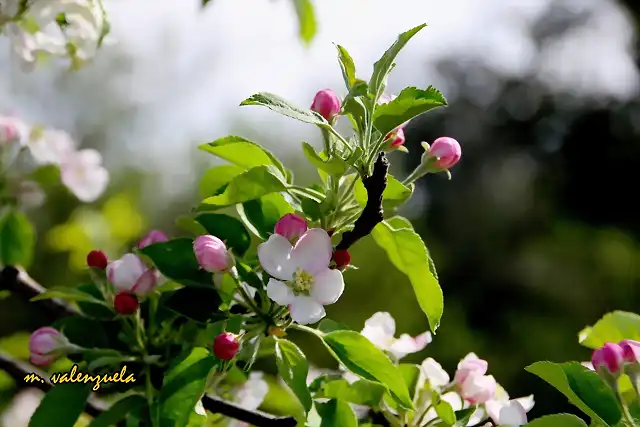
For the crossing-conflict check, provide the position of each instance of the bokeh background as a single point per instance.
(536, 236)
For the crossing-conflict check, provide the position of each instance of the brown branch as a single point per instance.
(372, 214)
(19, 282)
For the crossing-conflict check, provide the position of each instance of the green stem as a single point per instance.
(626, 415)
(307, 192)
(340, 138)
(307, 329)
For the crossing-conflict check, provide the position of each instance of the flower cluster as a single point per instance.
(612, 360)
(81, 171)
(54, 28)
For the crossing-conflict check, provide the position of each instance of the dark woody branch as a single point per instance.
(21, 284)
(372, 214)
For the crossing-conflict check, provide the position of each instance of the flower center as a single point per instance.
(302, 282)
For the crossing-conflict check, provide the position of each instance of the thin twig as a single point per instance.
(19, 282)
(372, 214)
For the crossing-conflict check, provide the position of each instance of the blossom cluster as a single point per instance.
(81, 171)
(40, 29)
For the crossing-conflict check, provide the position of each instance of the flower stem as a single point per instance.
(307, 329)
(626, 415)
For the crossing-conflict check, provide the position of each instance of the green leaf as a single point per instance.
(446, 413)
(347, 66)
(184, 385)
(215, 180)
(293, 368)
(411, 102)
(361, 392)
(261, 215)
(408, 253)
(363, 358)
(250, 185)
(464, 415)
(68, 294)
(197, 303)
(613, 327)
(189, 224)
(306, 20)
(119, 411)
(411, 374)
(335, 167)
(394, 195)
(228, 229)
(582, 387)
(557, 420)
(75, 328)
(284, 107)
(242, 152)
(176, 260)
(17, 240)
(336, 413)
(61, 406)
(102, 310)
(384, 65)
(328, 325)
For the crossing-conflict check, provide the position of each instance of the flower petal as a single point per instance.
(275, 257)
(407, 344)
(328, 286)
(526, 402)
(512, 414)
(305, 310)
(279, 292)
(313, 251)
(379, 329)
(433, 371)
(453, 399)
(40, 360)
(145, 283)
(124, 273)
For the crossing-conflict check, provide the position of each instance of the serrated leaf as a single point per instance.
(613, 327)
(119, 411)
(347, 66)
(61, 406)
(183, 386)
(284, 107)
(361, 392)
(335, 167)
(410, 103)
(383, 66)
(242, 152)
(189, 224)
(17, 239)
(294, 368)
(582, 387)
(307, 26)
(408, 253)
(328, 325)
(261, 215)
(215, 180)
(336, 413)
(250, 185)
(360, 356)
(557, 420)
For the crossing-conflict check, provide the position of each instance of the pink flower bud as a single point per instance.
(154, 236)
(395, 140)
(212, 254)
(477, 389)
(130, 274)
(327, 104)
(630, 351)
(447, 150)
(97, 259)
(608, 359)
(470, 365)
(291, 226)
(46, 345)
(125, 303)
(226, 346)
(342, 258)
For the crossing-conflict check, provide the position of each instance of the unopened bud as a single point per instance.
(342, 258)
(212, 254)
(226, 346)
(395, 141)
(97, 259)
(291, 226)
(327, 104)
(125, 303)
(46, 345)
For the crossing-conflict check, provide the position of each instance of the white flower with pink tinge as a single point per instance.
(129, 274)
(380, 330)
(301, 275)
(508, 412)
